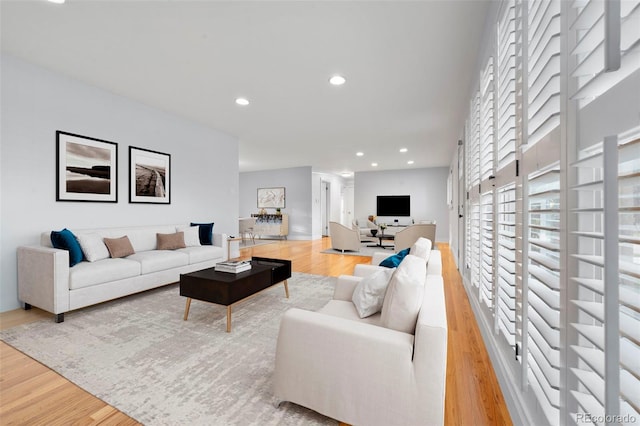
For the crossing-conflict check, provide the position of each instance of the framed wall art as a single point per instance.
(271, 198)
(149, 176)
(87, 169)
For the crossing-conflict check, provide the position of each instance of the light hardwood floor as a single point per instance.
(30, 393)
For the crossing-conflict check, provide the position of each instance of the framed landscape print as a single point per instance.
(149, 176)
(87, 169)
(273, 198)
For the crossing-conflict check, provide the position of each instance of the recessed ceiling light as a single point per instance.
(346, 174)
(403, 150)
(337, 80)
(410, 162)
(242, 101)
(360, 153)
(57, 1)
(374, 164)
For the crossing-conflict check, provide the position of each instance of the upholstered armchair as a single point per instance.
(343, 238)
(409, 235)
(365, 231)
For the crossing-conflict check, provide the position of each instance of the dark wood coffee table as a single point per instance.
(223, 288)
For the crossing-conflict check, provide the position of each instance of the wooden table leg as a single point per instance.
(186, 309)
(229, 319)
(286, 288)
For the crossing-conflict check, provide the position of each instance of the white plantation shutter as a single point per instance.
(506, 269)
(553, 238)
(543, 310)
(543, 37)
(629, 270)
(486, 122)
(486, 250)
(473, 172)
(506, 87)
(606, 233)
(590, 70)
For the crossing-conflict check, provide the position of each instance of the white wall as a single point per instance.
(298, 192)
(427, 188)
(35, 103)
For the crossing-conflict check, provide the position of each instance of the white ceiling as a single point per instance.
(409, 67)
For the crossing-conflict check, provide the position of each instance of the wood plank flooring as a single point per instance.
(30, 393)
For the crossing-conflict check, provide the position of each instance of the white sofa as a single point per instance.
(46, 281)
(360, 371)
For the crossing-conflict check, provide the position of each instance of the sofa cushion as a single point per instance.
(159, 260)
(369, 292)
(394, 260)
(170, 241)
(404, 295)
(191, 235)
(93, 247)
(65, 240)
(205, 232)
(421, 248)
(347, 310)
(119, 247)
(202, 253)
(87, 274)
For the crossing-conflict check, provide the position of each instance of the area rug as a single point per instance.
(138, 355)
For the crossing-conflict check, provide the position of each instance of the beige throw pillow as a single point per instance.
(119, 247)
(170, 241)
(369, 293)
(403, 300)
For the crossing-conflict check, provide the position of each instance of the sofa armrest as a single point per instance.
(379, 256)
(220, 240)
(43, 278)
(363, 270)
(434, 266)
(348, 370)
(345, 286)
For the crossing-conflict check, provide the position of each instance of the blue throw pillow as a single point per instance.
(394, 261)
(65, 240)
(205, 232)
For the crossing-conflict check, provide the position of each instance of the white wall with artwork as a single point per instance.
(36, 103)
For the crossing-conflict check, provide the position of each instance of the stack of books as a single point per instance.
(233, 267)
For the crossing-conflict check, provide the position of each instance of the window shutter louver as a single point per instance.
(506, 279)
(506, 87)
(543, 68)
(543, 309)
(592, 78)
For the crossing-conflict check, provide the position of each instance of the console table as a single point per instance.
(271, 224)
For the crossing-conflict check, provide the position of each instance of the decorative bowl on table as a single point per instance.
(374, 232)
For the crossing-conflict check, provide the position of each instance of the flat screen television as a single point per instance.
(393, 205)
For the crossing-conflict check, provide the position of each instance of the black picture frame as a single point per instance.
(149, 176)
(86, 169)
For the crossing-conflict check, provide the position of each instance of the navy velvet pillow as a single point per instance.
(65, 240)
(205, 232)
(394, 261)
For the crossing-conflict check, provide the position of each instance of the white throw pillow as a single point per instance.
(191, 235)
(93, 247)
(421, 248)
(404, 295)
(369, 292)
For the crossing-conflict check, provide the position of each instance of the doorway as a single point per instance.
(325, 206)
